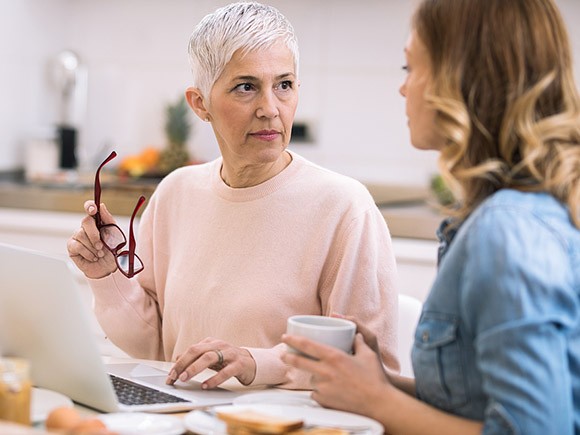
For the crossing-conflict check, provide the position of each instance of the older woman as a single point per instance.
(497, 350)
(234, 247)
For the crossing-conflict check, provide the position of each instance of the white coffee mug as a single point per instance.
(332, 331)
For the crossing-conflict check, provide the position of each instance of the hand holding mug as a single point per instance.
(332, 331)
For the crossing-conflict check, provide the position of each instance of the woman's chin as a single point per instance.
(272, 153)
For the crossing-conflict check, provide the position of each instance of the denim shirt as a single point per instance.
(499, 337)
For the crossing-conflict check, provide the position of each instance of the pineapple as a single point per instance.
(177, 128)
(442, 192)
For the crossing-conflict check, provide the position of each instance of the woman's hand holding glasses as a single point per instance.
(100, 247)
(85, 247)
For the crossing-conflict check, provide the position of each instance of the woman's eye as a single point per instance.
(286, 84)
(244, 87)
(405, 68)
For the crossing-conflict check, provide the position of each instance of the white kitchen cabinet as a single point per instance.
(46, 231)
(417, 265)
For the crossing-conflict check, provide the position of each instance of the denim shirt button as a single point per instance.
(425, 336)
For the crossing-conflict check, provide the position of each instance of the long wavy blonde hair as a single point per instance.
(505, 98)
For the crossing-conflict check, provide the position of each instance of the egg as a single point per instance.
(90, 426)
(62, 418)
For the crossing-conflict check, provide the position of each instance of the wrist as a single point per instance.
(101, 275)
(378, 398)
(249, 375)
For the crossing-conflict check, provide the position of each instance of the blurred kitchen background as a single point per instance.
(133, 62)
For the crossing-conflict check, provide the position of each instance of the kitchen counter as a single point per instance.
(120, 195)
(419, 221)
(406, 208)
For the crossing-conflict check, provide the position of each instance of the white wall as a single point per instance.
(135, 52)
(29, 32)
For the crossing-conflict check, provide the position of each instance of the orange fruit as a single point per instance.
(90, 426)
(150, 157)
(62, 418)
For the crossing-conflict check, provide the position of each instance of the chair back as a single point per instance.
(409, 313)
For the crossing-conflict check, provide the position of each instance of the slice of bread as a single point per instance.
(251, 422)
(325, 431)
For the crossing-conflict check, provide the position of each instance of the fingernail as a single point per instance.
(183, 377)
(95, 259)
(101, 254)
(91, 208)
(204, 386)
(99, 245)
(172, 375)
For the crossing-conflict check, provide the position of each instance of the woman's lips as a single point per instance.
(266, 135)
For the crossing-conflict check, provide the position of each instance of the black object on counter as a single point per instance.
(67, 137)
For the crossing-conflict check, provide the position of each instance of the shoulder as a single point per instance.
(518, 221)
(186, 177)
(330, 184)
(177, 185)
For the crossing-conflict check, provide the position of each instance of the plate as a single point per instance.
(137, 423)
(43, 401)
(204, 423)
(292, 398)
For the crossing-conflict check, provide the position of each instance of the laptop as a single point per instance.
(43, 318)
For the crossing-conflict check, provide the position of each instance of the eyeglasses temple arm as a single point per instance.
(97, 215)
(132, 243)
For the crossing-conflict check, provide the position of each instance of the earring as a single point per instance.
(206, 119)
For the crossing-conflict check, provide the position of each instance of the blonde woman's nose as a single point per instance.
(403, 89)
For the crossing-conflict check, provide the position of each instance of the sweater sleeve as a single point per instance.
(271, 370)
(128, 309)
(128, 316)
(363, 281)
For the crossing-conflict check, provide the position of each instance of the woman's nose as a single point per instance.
(403, 90)
(267, 105)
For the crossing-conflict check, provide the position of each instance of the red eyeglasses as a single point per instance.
(114, 239)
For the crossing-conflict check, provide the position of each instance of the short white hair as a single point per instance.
(245, 26)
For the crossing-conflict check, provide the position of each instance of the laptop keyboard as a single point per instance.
(130, 393)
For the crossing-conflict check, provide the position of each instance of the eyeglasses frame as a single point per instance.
(130, 253)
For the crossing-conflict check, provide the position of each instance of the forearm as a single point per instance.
(400, 413)
(403, 383)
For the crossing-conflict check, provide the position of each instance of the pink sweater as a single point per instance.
(234, 264)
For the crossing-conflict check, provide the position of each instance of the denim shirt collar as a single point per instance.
(445, 233)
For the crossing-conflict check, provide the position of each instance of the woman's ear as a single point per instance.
(196, 101)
